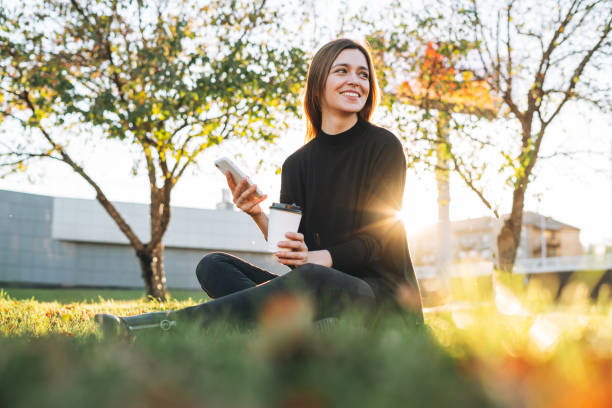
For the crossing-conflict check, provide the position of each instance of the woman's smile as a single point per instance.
(351, 94)
(347, 85)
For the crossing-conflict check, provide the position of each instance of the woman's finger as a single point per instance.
(296, 236)
(249, 206)
(294, 262)
(237, 192)
(291, 255)
(291, 244)
(254, 202)
(230, 181)
(242, 192)
(247, 196)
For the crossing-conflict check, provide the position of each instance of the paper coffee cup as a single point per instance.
(283, 218)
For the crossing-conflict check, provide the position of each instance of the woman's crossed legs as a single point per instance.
(239, 290)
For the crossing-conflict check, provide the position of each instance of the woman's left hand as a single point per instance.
(296, 253)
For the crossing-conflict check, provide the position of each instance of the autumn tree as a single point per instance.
(439, 91)
(171, 78)
(540, 59)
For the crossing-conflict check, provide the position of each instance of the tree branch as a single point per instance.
(535, 94)
(467, 179)
(100, 196)
(579, 70)
(507, 93)
(27, 156)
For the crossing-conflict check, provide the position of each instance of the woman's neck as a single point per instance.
(334, 124)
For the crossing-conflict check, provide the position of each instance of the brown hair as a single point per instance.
(317, 76)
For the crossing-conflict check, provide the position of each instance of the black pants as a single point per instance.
(239, 290)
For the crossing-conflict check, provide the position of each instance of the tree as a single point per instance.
(537, 58)
(438, 88)
(167, 77)
(540, 59)
(442, 96)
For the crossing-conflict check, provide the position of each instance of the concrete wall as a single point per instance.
(60, 241)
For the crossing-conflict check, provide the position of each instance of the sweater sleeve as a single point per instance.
(290, 182)
(383, 202)
(290, 185)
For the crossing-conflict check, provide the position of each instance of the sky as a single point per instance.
(575, 190)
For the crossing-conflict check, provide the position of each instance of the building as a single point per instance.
(74, 242)
(476, 239)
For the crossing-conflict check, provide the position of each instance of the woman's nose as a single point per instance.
(353, 79)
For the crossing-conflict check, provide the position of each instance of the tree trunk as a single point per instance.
(152, 256)
(152, 267)
(444, 252)
(509, 237)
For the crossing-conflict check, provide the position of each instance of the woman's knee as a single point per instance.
(315, 272)
(311, 273)
(329, 278)
(207, 266)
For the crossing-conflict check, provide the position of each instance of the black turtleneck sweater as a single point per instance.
(350, 187)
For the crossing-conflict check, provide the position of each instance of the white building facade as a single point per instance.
(74, 242)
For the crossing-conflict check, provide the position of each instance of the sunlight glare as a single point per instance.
(544, 333)
(419, 206)
(506, 302)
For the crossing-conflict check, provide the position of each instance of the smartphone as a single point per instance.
(224, 165)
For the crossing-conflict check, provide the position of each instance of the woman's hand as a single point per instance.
(297, 252)
(245, 197)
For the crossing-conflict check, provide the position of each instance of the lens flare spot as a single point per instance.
(506, 302)
(544, 334)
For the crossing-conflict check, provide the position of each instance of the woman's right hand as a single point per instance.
(245, 197)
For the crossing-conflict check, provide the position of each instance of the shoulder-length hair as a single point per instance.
(317, 76)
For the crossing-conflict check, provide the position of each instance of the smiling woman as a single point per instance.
(346, 89)
(343, 85)
(350, 252)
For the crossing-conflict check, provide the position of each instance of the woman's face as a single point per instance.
(347, 85)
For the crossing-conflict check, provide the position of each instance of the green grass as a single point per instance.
(93, 295)
(500, 344)
(52, 355)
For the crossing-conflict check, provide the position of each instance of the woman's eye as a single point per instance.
(364, 75)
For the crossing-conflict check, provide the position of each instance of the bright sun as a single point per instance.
(419, 209)
(410, 220)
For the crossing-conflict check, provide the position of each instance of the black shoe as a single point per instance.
(112, 325)
(125, 326)
(155, 320)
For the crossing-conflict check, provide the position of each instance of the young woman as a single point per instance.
(348, 179)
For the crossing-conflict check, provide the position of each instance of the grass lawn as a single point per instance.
(93, 295)
(514, 347)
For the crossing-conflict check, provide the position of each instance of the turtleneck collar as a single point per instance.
(344, 137)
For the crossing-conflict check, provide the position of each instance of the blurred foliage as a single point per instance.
(51, 355)
(500, 342)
